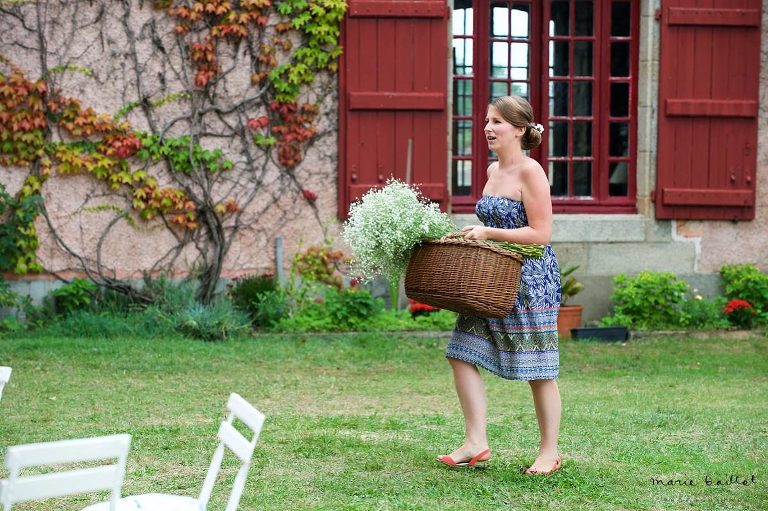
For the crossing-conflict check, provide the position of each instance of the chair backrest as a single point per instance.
(5, 375)
(18, 488)
(242, 447)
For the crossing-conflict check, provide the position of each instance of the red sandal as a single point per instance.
(479, 458)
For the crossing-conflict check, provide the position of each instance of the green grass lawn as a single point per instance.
(355, 421)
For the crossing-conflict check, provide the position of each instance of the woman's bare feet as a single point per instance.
(545, 464)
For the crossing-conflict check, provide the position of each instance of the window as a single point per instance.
(576, 62)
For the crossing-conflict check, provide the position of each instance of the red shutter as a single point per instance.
(393, 86)
(708, 97)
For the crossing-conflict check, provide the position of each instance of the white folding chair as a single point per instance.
(228, 437)
(5, 375)
(23, 488)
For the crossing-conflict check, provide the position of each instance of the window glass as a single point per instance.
(499, 19)
(620, 59)
(582, 99)
(462, 177)
(558, 178)
(558, 99)
(518, 61)
(499, 89)
(619, 139)
(558, 58)
(617, 179)
(583, 20)
(559, 22)
(462, 17)
(499, 60)
(520, 20)
(462, 57)
(619, 99)
(582, 138)
(462, 97)
(558, 140)
(582, 178)
(582, 58)
(621, 18)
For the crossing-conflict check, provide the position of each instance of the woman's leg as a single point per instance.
(471, 392)
(546, 400)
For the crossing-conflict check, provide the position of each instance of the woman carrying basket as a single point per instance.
(515, 207)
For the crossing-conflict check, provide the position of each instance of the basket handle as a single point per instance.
(457, 234)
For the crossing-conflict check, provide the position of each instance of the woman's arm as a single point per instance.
(538, 207)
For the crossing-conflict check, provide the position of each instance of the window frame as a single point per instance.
(538, 79)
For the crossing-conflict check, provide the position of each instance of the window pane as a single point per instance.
(518, 61)
(558, 58)
(499, 89)
(558, 99)
(582, 99)
(582, 139)
(584, 17)
(619, 99)
(520, 20)
(582, 57)
(462, 177)
(558, 139)
(462, 97)
(617, 180)
(558, 178)
(462, 56)
(582, 178)
(462, 137)
(499, 60)
(558, 19)
(619, 139)
(620, 19)
(620, 59)
(499, 19)
(520, 89)
(462, 17)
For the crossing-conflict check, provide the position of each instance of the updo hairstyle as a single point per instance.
(518, 112)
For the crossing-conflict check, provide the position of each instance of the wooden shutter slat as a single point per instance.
(396, 101)
(702, 16)
(711, 108)
(397, 9)
(706, 197)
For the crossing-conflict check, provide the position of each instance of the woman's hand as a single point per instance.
(475, 232)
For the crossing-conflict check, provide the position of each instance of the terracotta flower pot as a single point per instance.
(568, 317)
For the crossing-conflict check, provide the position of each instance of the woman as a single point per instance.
(515, 207)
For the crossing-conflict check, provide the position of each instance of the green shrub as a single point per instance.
(10, 324)
(647, 300)
(8, 297)
(248, 292)
(216, 321)
(336, 310)
(746, 282)
(697, 312)
(272, 307)
(75, 295)
(169, 296)
(106, 325)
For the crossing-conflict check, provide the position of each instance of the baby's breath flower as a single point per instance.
(384, 226)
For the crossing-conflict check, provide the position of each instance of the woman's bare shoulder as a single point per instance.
(531, 169)
(492, 167)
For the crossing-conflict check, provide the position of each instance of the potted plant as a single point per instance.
(569, 316)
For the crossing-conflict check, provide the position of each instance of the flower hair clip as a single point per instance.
(537, 127)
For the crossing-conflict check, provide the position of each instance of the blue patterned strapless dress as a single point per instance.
(523, 344)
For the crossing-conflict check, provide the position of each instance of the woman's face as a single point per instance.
(499, 132)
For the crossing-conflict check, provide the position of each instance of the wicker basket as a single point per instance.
(464, 276)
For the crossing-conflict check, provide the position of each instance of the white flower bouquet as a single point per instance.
(385, 225)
